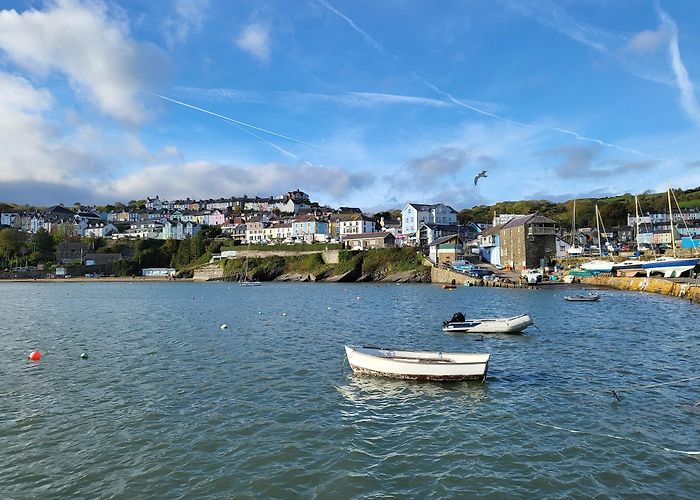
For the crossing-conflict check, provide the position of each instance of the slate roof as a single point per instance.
(365, 236)
(527, 219)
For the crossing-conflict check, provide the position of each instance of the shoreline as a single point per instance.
(114, 279)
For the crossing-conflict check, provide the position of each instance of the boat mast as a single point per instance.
(670, 214)
(597, 223)
(636, 221)
(573, 230)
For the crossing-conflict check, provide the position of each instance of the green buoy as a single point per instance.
(83, 355)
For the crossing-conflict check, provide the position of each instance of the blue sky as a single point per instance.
(369, 104)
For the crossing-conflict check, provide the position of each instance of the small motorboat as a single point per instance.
(591, 297)
(449, 287)
(460, 324)
(417, 365)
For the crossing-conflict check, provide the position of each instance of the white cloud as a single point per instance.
(95, 51)
(688, 101)
(206, 179)
(188, 18)
(646, 42)
(255, 40)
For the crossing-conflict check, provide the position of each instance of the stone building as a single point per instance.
(528, 241)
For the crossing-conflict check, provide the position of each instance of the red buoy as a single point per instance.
(34, 356)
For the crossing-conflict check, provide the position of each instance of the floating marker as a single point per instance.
(358, 297)
(329, 308)
(284, 314)
(83, 355)
(224, 326)
(34, 356)
(259, 312)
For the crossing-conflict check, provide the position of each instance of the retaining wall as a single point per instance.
(651, 285)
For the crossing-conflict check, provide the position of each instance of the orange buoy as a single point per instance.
(34, 356)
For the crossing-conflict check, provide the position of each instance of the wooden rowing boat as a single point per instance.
(417, 365)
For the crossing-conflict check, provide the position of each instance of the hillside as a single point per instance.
(613, 210)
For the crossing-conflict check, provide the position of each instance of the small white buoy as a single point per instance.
(358, 297)
(259, 312)
(224, 326)
(329, 308)
(284, 314)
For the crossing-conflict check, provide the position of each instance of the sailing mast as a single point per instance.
(573, 230)
(636, 221)
(670, 215)
(597, 222)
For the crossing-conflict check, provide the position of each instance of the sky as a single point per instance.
(358, 103)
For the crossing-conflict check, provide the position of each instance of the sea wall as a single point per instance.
(450, 277)
(651, 285)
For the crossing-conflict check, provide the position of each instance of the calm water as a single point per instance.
(168, 405)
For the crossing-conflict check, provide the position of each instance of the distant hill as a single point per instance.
(613, 210)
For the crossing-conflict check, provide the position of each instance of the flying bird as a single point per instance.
(480, 175)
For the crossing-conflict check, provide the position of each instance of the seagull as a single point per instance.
(479, 175)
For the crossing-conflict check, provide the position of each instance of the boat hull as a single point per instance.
(516, 324)
(582, 298)
(670, 268)
(417, 365)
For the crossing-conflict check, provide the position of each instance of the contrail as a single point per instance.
(273, 145)
(237, 122)
(377, 46)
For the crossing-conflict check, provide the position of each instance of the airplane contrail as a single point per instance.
(377, 46)
(237, 122)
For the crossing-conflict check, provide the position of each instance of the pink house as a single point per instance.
(216, 218)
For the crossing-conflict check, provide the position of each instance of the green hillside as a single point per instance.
(613, 210)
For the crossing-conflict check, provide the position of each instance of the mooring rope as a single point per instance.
(620, 438)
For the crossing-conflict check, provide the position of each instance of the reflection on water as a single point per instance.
(170, 405)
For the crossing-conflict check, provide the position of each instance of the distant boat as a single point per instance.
(516, 324)
(670, 267)
(244, 281)
(591, 297)
(418, 365)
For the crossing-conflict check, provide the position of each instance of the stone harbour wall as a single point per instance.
(652, 285)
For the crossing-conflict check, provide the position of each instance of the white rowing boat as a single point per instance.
(417, 365)
(516, 324)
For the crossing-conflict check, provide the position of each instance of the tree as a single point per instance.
(10, 243)
(42, 243)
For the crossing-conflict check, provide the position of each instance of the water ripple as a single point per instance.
(169, 405)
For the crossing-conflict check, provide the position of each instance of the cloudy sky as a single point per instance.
(356, 102)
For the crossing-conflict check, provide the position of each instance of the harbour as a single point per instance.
(169, 404)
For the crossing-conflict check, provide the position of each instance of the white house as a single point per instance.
(7, 218)
(489, 245)
(413, 214)
(178, 230)
(350, 224)
(99, 229)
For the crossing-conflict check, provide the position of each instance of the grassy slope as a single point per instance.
(378, 263)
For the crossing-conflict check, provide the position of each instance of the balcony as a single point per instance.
(541, 230)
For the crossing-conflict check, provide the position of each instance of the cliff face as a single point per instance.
(392, 265)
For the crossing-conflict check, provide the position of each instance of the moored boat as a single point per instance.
(591, 297)
(670, 267)
(417, 365)
(460, 324)
(600, 266)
